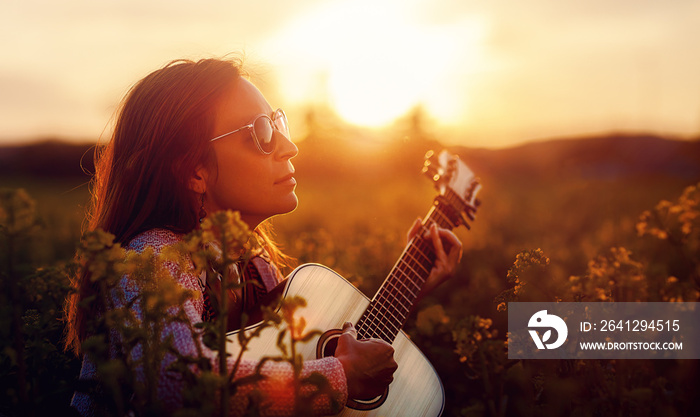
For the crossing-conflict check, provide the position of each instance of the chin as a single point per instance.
(291, 204)
(287, 205)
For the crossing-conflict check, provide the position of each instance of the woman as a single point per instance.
(193, 138)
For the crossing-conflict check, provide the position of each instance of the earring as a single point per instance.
(202, 212)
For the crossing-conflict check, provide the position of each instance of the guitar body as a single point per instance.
(332, 301)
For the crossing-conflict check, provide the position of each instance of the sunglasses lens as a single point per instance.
(280, 120)
(263, 132)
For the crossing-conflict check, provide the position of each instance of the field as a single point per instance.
(353, 216)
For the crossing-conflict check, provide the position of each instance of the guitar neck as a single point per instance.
(390, 307)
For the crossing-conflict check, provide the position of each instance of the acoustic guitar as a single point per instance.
(332, 301)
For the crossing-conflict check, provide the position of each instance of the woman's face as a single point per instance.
(257, 185)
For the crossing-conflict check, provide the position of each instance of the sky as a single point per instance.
(488, 73)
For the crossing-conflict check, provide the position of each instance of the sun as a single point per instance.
(374, 61)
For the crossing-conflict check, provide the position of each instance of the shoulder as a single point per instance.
(181, 269)
(156, 238)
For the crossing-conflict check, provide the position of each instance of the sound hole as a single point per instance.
(329, 345)
(326, 346)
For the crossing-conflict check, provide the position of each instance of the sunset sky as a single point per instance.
(489, 73)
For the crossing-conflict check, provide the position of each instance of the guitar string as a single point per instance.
(377, 313)
(416, 262)
(379, 309)
(396, 301)
(412, 262)
(377, 330)
(403, 283)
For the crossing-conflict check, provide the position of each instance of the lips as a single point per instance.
(287, 180)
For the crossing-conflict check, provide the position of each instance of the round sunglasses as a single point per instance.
(262, 129)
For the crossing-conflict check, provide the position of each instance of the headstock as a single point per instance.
(456, 183)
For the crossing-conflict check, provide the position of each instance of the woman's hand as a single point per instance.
(369, 364)
(445, 260)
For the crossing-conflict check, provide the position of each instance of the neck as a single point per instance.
(252, 221)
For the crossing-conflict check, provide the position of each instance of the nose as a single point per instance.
(286, 149)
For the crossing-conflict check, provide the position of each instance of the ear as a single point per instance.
(198, 180)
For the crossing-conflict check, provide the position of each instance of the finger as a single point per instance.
(387, 374)
(387, 379)
(349, 329)
(453, 243)
(414, 229)
(450, 237)
(456, 248)
(437, 242)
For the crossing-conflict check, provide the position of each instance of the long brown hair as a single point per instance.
(141, 181)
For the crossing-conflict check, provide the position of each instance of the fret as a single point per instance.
(371, 324)
(373, 316)
(442, 218)
(423, 267)
(383, 335)
(427, 257)
(379, 320)
(419, 287)
(407, 288)
(399, 316)
(363, 330)
(376, 331)
(397, 291)
(447, 221)
(387, 328)
(396, 327)
(415, 249)
(450, 206)
(389, 335)
(414, 276)
(377, 328)
(395, 302)
(390, 312)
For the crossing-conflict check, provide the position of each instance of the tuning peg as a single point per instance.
(431, 172)
(431, 158)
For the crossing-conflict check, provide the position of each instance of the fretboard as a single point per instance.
(390, 307)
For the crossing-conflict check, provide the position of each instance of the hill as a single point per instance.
(607, 157)
(47, 158)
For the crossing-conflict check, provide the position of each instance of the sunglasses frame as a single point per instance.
(279, 113)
